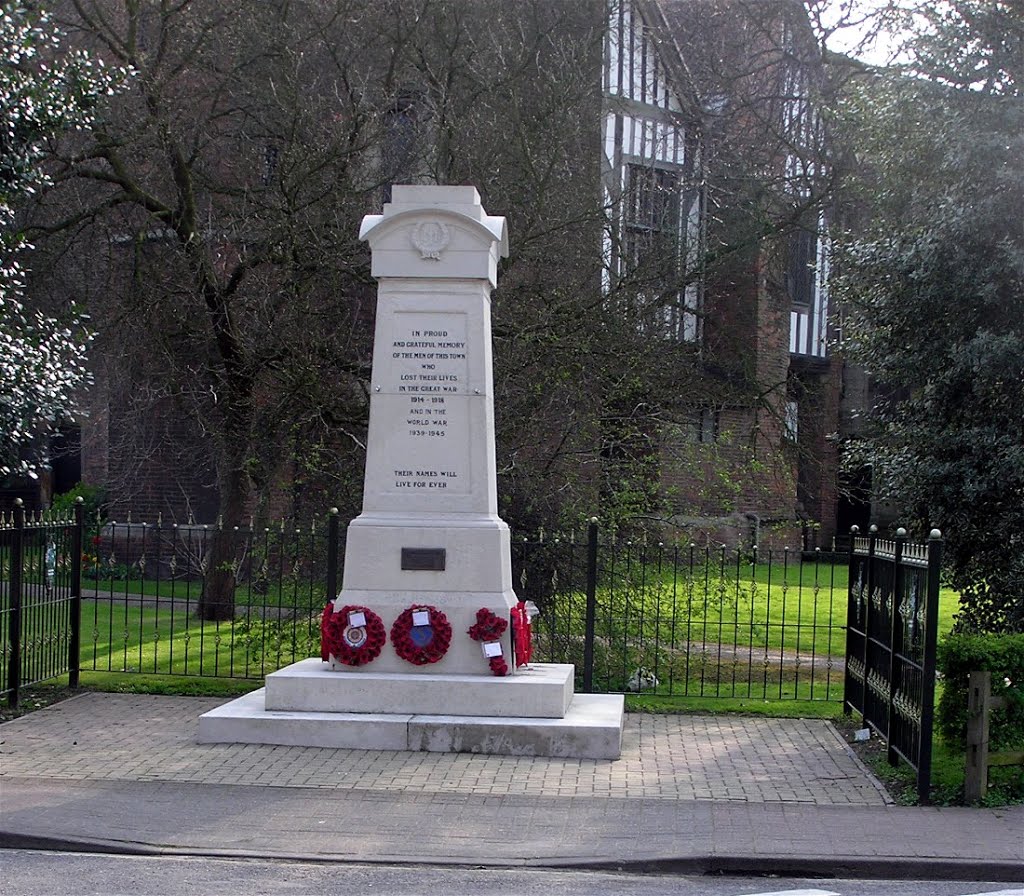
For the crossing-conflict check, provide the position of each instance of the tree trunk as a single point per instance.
(217, 602)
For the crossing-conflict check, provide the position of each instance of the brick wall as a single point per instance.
(745, 478)
(819, 391)
(146, 454)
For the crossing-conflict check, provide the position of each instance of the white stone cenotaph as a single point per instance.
(418, 651)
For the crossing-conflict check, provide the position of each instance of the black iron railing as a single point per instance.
(687, 620)
(634, 615)
(145, 597)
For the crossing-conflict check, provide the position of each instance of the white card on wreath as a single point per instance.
(492, 648)
(421, 617)
(357, 620)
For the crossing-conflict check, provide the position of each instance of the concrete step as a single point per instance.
(590, 729)
(544, 690)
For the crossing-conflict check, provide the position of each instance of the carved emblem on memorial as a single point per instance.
(431, 238)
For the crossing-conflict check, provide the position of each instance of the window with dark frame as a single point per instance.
(652, 232)
(701, 428)
(654, 243)
(801, 267)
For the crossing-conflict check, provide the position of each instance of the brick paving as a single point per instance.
(722, 794)
(670, 757)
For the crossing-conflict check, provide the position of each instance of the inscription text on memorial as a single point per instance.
(429, 393)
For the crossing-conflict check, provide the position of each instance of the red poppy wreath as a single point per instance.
(421, 635)
(354, 635)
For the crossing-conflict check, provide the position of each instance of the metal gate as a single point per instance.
(891, 633)
(40, 599)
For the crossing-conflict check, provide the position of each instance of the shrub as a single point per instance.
(274, 642)
(94, 503)
(1003, 656)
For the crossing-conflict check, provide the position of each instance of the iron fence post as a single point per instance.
(14, 583)
(333, 527)
(931, 630)
(847, 697)
(870, 588)
(897, 588)
(591, 611)
(75, 607)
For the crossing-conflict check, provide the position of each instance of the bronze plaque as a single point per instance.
(429, 559)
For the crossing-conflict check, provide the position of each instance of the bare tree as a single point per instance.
(210, 225)
(224, 191)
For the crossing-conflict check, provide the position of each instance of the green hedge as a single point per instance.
(1003, 656)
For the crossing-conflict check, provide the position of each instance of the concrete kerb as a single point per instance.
(819, 868)
(827, 868)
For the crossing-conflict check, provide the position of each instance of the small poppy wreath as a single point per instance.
(351, 645)
(490, 627)
(522, 631)
(421, 644)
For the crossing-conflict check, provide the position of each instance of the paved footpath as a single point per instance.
(690, 793)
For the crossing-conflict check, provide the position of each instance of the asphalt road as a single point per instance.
(29, 873)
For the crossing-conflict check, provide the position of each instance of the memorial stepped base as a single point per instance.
(532, 713)
(543, 690)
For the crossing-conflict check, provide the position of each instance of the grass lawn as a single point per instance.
(786, 604)
(786, 708)
(143, 637)
(727, 631)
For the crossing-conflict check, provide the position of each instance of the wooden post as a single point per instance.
(979, 695)
(979, 760)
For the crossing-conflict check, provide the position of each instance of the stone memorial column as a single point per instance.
(429, 535)
(428, 554)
